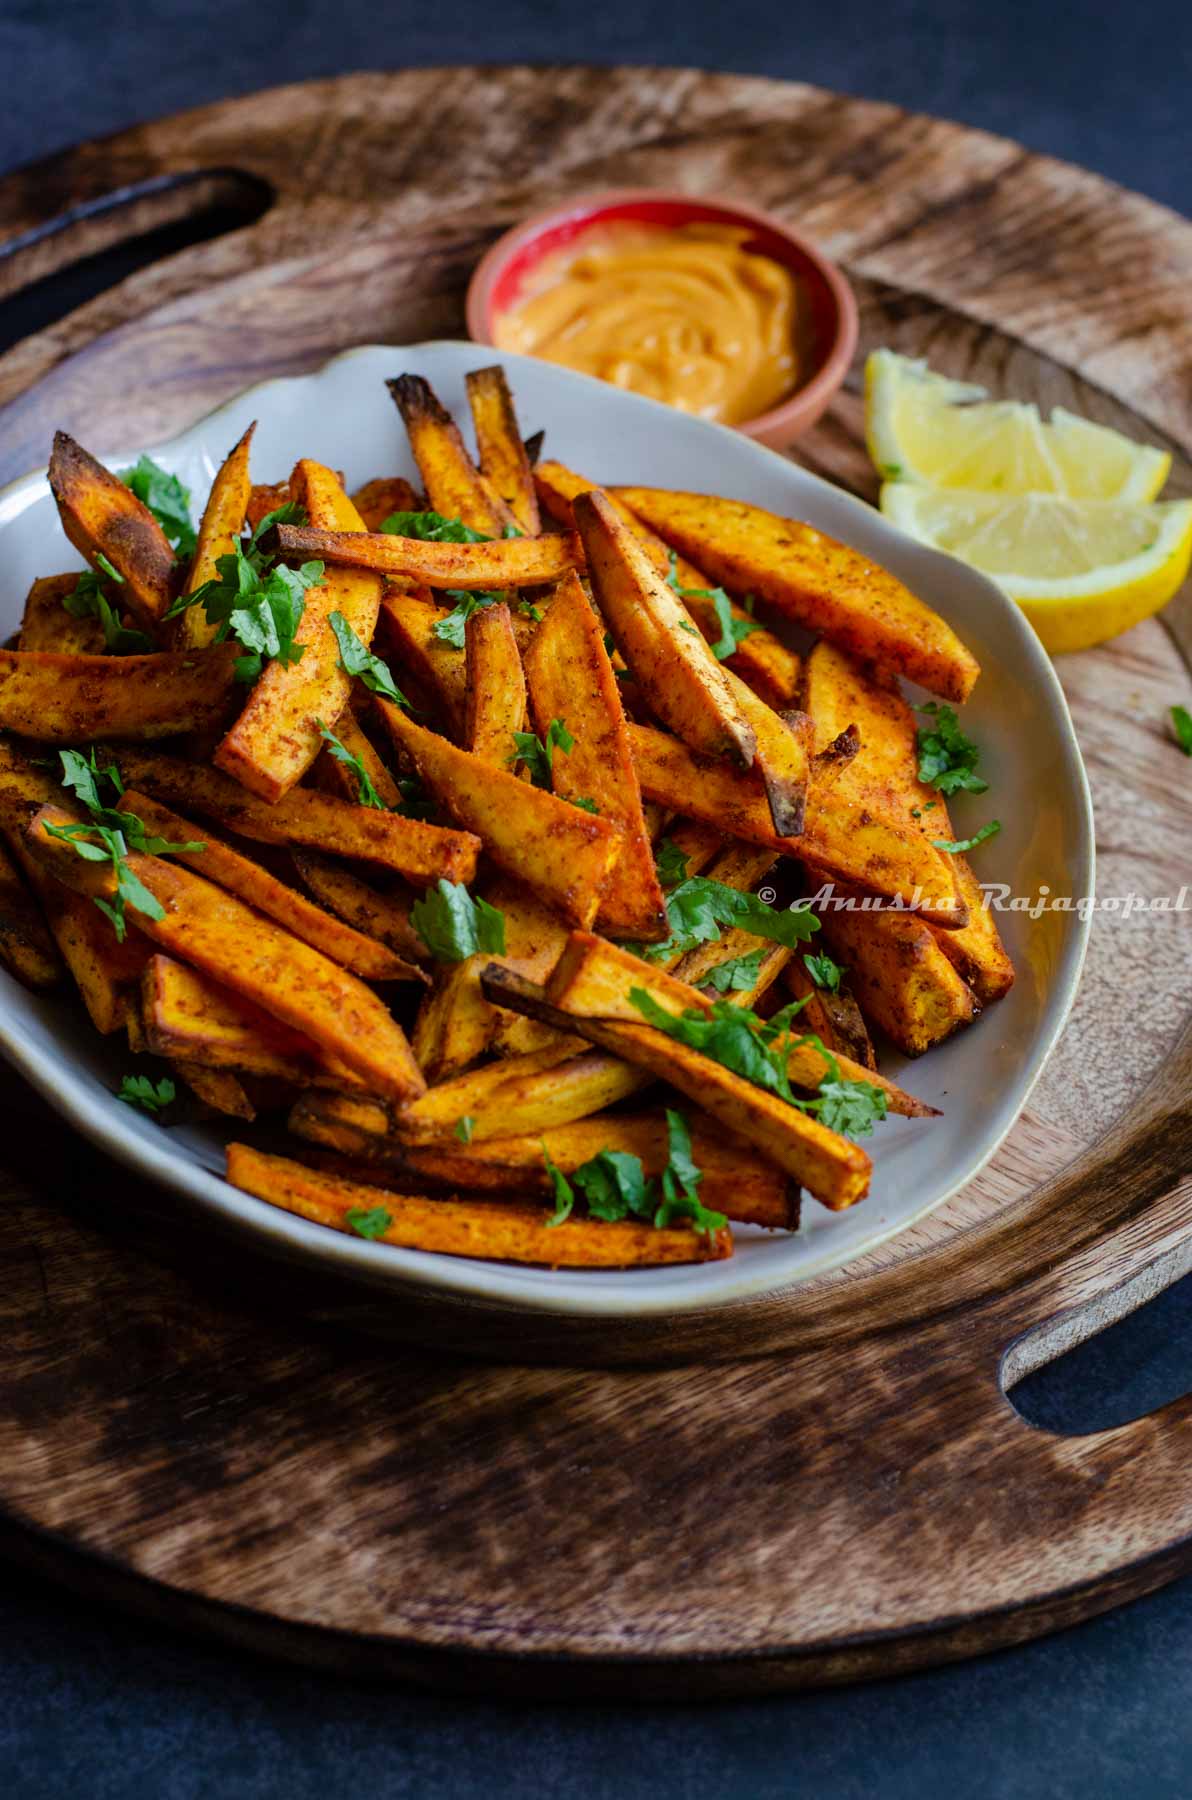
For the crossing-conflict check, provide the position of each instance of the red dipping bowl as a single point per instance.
(828, 311)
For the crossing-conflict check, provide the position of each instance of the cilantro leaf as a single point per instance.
(564, 1192)
(699, 906)
(957, 846)
(613, 1183)
(108, 835)
(454, 926)
(167, 499)
(90, 599)
(585, 802)
(432, 528)
(852, 1108)
(366, 793)
(259, 604)
(149, 1096)
(1181, 724)
(452, 628)
(947, 758)
(538, 754)
(670, 863)
(368, 1222)
(733, 631)
(416, 803)
(464, 1128)
(737, 975)
(679, 1180)
(824, 971)
(355, 658)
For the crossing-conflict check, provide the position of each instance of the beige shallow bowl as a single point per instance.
(829, 307)
(344, 416)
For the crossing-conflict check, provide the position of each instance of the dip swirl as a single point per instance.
(686, 315)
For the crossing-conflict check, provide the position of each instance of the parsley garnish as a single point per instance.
(167, 499)
(1181, 724)
(585, 802)
(149, 1096)
(824, 972)
(733, 631)
(90, 600)
(698, 907)
(670, 863)
(355, 658)
(737, 975)
(957, 846)
(255, 600)
(452, 628)
(454, 926)
(432, 528)
(108, 836)
(370, 1222)
(538, 754)
(464, 1128)
(759, 1051)
(947, 758)
(614, 1185)
(366, 793)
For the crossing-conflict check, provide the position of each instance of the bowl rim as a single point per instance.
(133, 1140)
(801, 407)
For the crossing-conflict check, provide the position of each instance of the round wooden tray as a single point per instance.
(804, 1488)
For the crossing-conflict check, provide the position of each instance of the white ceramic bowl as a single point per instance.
(344, 416)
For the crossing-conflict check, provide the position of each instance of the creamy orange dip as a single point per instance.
(684, 314)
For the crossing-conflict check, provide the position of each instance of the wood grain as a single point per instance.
(808, 1487)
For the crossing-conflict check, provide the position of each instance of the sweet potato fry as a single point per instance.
(736, 1181)
(423, 853)
(73, 699)
(384, 916)
(904, 983)
(684, 684)
(498, 1231)
(219, 532)
(782, 757)
(376, 500)
(337, 778)
(102, 517)
(760, 659)
(595, 980)
(559, 850)
(219, 1090)
(27, 948)
(809, 576)
(502, 454)
(407, 628)
(496, 686)
(834, 1170)
(47, 626)
(277, 737)
(455, 1023)
(571, 678)
(190, 1018)
(849, 842)
(833, 1016)
(249, 954)
(836, 690)
(502, 563)
(528, 1093)
(454, 486)
(239, 875)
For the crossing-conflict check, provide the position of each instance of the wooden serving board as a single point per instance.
(803, 1488)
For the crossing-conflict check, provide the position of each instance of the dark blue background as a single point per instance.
(102, 1707)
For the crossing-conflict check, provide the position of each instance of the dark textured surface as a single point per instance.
(104, 1707)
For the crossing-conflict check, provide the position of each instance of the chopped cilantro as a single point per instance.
(167, 499)
(737, 976)
(416, 803)
(368, 1222)
(258, 602)
(957, 846)
(733, 631)
(366, 793)
(615, 1186)
(670, 863)
(698, 907)
(149, 1096)
(355, 658)
(90, 600)
(1181, 724)
(824, 972)
(452, 628)
(432, 528)
(538, 754)
(454, 926)
(108, 836)
(464, 1128)
(947, 758)
(584, 802)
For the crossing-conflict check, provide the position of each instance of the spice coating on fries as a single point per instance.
(429, 824)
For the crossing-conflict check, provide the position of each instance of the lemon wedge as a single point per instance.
(1082, 570)
(921, 426)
